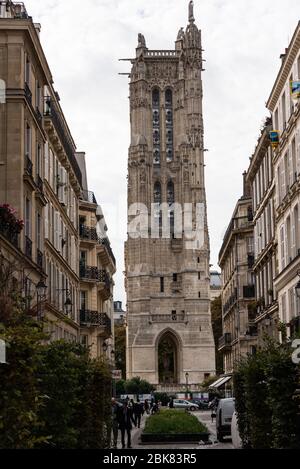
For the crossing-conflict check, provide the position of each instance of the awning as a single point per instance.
(220, 382)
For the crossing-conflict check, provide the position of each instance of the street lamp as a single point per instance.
(41, 289)
(187, 383)
(68, 303)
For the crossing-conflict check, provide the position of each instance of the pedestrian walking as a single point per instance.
(125, 424)
(138, 411)
(115, 411)
(171, 403)
(147, 408)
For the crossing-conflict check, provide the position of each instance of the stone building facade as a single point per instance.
(40, 177)
(285, 109)
(260, 176)
(169, 334)
(238, 286)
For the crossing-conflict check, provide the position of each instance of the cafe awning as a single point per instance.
(220, 382)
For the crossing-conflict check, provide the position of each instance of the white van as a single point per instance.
(224, 414)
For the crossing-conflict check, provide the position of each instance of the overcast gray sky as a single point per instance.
(243, 39)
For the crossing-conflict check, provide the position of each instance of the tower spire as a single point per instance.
(191, 12)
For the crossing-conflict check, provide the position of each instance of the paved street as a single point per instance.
(203, 416)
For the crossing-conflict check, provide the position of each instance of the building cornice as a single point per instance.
(285, 69)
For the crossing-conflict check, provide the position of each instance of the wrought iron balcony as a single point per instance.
(9, 234)
(28, 94)
(225, 341)
(28, 247)
(51, 110)
(39, 258)
(88, 233)
(28, 165)
(230, 302)
(95, 319)
(93, 273)
(88, 196)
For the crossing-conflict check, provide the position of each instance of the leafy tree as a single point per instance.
(137, 385)
(120, 349)
(20, 399)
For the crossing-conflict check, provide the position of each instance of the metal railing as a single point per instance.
(93, 273)
(231, 300)
(225, 340)
(90, 234)
(39, 258)
(28, 247)
(169, 317)
(28, 93)
(11, 236)
(51, 110)
(88, 196)
(28, 165)
(94, 318)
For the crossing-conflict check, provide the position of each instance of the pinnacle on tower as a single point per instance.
(191, 12)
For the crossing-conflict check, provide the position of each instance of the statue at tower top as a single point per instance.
(141, 40)
(191, 12)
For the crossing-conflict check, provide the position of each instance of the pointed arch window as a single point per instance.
(156, 126)
(169, 124)
(170, 201)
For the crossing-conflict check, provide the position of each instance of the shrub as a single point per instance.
(173, 421)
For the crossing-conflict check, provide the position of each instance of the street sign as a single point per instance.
(117, 374)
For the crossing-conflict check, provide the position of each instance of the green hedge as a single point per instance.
(173, 421)
(265, 387)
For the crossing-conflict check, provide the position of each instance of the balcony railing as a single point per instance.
(168, 317)
(28, 247)
(10, 235)
(225, 340)
(94, 318)
(28, 165)
(231, 300)
(93, 273)
(39, 258)
(28, 94)
(90, 234)
(88, 196)
(51, 110)
(14, 10)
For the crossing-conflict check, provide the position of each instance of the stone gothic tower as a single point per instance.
(169, 334)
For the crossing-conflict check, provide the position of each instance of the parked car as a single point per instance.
(184, 404)
(224, 414)
(202, 404)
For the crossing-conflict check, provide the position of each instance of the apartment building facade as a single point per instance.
(238, 288)
(40, 177)
(284, 106)
(96, 268)
(260, 176)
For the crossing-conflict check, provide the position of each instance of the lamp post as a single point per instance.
(68, 303)
(186, 384)
(41, 289)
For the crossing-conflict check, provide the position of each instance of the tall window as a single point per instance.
(39, 231)
(157, 200)
(28, 141)
(39, 161)
(27, 72)
(156, 126)
(169, 125)
(83, 301)
(283, 105)
(171, 200)
(27, 217)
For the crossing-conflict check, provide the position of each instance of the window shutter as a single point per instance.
(283, 186)
(293, 235)
(51, 168)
